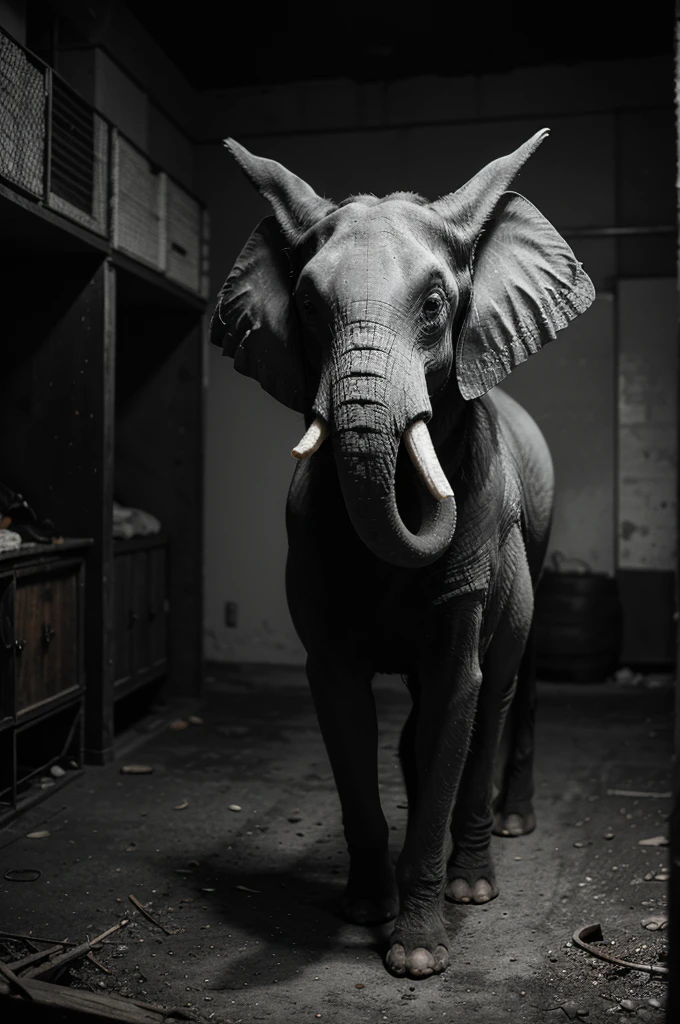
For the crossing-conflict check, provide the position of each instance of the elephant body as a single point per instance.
(418, 530)
(344, 598)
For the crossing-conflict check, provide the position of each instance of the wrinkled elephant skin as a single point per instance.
(420, 507)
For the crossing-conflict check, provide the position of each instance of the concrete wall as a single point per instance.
(430, 135)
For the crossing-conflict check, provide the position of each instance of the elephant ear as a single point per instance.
(254, 321)
(526, 285)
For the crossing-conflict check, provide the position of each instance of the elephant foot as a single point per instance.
(418, 952)
(471, 884)
(371, 895)
(513, 823)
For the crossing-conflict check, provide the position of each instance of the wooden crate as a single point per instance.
(183, 229)
(22, 118)
(79, 159)
(138, 204)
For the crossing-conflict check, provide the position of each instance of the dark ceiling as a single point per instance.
(218, 45)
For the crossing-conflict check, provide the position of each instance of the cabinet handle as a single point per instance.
(19, 645)
(48, 634)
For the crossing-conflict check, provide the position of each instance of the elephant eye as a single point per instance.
(432, 305)
(433, 310)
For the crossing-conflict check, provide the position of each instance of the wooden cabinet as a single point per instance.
(46, 628)
(101, 395)
(42, 680)
(141, 609)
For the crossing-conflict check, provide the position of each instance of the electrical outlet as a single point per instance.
(230, 614)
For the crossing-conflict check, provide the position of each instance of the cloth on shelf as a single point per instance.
(9, 540)
(17, 513)
(133, 522)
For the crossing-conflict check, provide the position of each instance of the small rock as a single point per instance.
(608, 835)
(653, 841)
(195, 720)
(178, 724)
(234, 807)
(663, 876)
(42, 834)
(57, 771)
(136, 769)
(649, 877)
(628, 1004)
(579, 845)
(655, 922)
(294, 821)
(654, 1003)
(360, 985)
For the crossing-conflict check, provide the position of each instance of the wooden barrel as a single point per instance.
(578, 624)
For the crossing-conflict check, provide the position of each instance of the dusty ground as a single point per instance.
(253, 891)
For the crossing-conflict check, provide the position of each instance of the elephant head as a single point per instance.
(376, 317)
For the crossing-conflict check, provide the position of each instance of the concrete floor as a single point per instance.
(253, 892)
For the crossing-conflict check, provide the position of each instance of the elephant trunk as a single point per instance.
(372, 402)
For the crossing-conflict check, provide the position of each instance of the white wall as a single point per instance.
(344, 137)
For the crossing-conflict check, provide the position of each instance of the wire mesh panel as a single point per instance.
(138, 204)
(183, 237)
(79, 159)
(22, 117)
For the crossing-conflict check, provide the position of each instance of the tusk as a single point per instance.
(424, 458)
(312, 441)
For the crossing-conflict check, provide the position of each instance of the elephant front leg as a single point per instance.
(345, 708)
(450, 685)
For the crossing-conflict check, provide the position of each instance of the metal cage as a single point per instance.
(23, 104)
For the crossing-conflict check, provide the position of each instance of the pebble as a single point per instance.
(627, 1004)
(609, 835)
(234, 807)
(42, 834)
(195, 720)
(57, 771)
(655, 1003)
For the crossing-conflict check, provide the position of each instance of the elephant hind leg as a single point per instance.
(513, 806)
(471, 876)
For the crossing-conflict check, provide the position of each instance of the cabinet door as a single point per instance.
(6, 645)
(46, 634)
(140, 606)
(123, 587)
(157, 606)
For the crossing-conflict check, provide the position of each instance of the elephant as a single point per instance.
(417, 532)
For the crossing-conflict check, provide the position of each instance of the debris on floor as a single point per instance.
(234, 914)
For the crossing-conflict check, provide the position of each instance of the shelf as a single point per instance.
(27, 226)
(124, 687)
(38, 554)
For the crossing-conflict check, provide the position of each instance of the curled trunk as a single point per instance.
(370, 411)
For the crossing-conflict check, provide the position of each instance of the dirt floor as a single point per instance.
(235, 841)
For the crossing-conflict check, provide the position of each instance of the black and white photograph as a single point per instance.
(339, 572)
